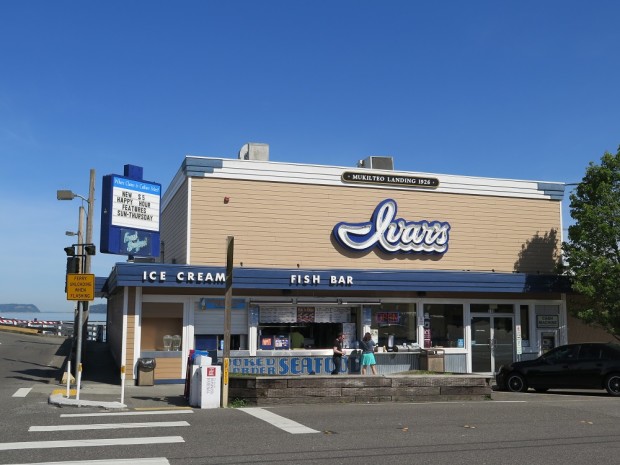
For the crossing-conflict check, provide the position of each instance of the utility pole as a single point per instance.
(85, 249)
(89, 240)
(230, 249)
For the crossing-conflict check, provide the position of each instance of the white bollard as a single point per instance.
(68, 379)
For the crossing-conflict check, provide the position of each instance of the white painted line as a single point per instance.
(145, 461)
(285, 424)
(90, 443)
(22, 392)
(123, 414)
(154, 424)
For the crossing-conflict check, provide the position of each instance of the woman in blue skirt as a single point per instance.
(368, 357)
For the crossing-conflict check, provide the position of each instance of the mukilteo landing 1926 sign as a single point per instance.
(389, 179)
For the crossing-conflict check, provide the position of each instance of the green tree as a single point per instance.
(592, 253)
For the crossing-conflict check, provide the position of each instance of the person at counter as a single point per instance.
(368, 357)
(338, 353)
(297, 340)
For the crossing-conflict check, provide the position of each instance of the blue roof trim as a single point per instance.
(100, 282)
(553, 190)
(336, 280)
(200, 166)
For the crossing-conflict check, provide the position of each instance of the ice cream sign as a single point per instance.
(393, 235)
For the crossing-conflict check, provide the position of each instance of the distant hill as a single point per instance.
(19, 308)
(97, 308)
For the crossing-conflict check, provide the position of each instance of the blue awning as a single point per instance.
(156, 275)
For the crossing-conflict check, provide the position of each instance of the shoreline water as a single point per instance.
(49, 316)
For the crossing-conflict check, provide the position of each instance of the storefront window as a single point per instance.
(162, 325)
(443, 325)
(394, 324)
(281, 328)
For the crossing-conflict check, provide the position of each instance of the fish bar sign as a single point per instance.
(80, 286)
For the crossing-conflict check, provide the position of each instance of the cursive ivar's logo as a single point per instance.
(393, 235)
(133, 244)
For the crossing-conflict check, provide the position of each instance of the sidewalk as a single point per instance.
(101, 385)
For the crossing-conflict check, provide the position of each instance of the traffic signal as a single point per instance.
(73, 265)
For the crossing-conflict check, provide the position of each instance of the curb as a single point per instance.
(60, 400)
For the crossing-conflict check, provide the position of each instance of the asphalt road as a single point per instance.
(552, 428)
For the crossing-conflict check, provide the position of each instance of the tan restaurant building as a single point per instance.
(457, 268)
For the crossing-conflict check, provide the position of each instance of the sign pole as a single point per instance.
(123, 384)
(230, 248)
(80, 306)
(89, 240)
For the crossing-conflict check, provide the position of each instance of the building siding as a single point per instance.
(289, 225)
(174, 227)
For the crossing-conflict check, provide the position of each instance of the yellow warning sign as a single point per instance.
(226, 365)
(80, 286)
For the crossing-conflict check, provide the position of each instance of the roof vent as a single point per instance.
(377, 163)
(254, 151)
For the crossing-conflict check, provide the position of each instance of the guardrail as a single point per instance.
(96, 331)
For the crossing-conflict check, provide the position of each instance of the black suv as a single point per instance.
(573, 366)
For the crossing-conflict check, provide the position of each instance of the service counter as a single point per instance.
(293, 362)
(313, 362)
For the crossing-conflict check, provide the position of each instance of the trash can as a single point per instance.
(433, 360)
(146, 371)
(355, 360)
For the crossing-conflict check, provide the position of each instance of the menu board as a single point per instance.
(278, 315)
(281, 342)
(305, 314)
(332, 315)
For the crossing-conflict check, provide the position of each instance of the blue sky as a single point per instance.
(510, 89)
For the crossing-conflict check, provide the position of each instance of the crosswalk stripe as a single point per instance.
(285, 424)
(154, 424)
(123, 414)
(22, 392)
(143, 461)
(90, 443)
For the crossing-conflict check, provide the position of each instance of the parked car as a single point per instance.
(572, 366)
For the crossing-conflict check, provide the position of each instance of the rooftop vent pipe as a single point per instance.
(377, 163)
(254, 151)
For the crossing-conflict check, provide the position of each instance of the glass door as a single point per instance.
(492, 342)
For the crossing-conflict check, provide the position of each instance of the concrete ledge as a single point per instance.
(274, 390)
(60, 400)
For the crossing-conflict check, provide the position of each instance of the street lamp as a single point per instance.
(85, 254)
(65, 194)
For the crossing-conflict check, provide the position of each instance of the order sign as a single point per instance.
(80, 286)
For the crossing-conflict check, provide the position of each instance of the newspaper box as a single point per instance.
(205, 385)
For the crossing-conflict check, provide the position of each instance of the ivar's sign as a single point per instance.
(393, 235)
